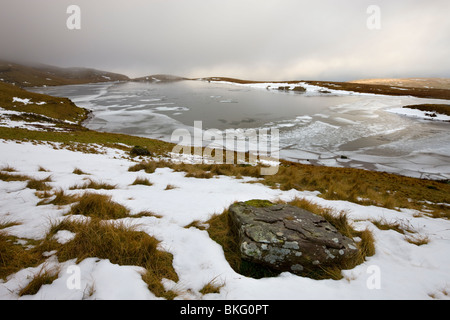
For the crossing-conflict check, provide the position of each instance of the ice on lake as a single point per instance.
(337, 129)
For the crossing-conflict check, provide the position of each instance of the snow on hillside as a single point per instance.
(409, 112)
(398, 270)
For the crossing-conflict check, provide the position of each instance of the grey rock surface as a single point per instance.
(287, 238)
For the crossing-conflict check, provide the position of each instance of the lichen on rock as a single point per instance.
(287, 238)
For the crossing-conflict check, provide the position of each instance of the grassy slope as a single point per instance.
(64, 109)
(435, 83)
(385, 89)
(57, 108)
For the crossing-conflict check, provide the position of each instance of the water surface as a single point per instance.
(330, 129)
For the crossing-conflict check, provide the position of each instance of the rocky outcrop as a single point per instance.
(287, 238)
(299, 89)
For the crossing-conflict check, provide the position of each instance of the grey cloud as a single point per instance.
(253, 39)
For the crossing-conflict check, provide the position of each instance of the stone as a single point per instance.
(283, 238)
(139, 151)
(299, 89)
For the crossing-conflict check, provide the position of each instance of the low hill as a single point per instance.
(424, 83)
(27, 75)
(159, 78)
(372, 88)
(419, 92)
(17, 99)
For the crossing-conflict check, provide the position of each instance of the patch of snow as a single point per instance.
(415, 113)
(64, 236)
(24, 101)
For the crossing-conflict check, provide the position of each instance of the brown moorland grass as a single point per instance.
(78, 171)
(384, 89)
(60, 198)
(82, 135)
(212, 286)
(142, 181)
(43, 277)
(99, 206)
(7, 223)
(7, 177)
(437, 83)
(420, 92)
(33, 75)
(8, 168)
(121, 244)
(15, 257)
(39, 185)
(91, 184)
(355, 185)
(365, 187)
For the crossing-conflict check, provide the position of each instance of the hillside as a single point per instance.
(425, 83)
(20, 100)
(371, 88)
(39, 75)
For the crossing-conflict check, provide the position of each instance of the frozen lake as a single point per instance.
(333, 129)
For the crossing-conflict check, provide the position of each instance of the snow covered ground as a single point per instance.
(426, 115)
(398, 270)
(7, 121)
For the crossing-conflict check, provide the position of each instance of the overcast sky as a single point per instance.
(248, 39)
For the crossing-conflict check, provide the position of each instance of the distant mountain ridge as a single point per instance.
(160, 78)
(32, 75)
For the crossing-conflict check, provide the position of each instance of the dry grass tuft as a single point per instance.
(212, 286)
(398, 226)
(99, 206)
(60, 199)
(43, 277)
(78, 171)
(97, 185)
(8, 177)
(142, 181)
(121, 244)
(417, 239)
(8, 168)
(14, 257)
(6, 224)
(39, 185)
(355, 185)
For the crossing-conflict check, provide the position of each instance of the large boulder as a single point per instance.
(287, 238)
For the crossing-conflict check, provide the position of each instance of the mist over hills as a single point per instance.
(35, 74)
